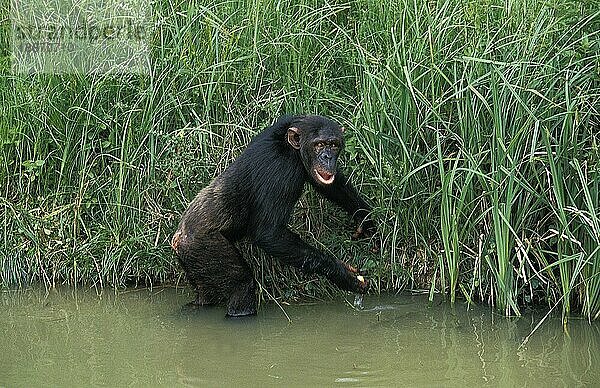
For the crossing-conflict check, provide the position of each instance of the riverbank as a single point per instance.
(472, 128)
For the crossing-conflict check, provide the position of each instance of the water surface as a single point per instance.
(145, 338)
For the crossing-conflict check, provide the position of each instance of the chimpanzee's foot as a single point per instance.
(242, 301)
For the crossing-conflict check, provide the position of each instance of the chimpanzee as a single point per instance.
(253, 198)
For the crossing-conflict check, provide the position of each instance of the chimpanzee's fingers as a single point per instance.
(375, 248)
(351, 268)
(363, 285)
(358, 233)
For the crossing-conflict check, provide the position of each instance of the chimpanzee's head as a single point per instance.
(319, 141)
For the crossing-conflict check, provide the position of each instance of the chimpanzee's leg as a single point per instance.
(217, 271)
(342, 193)
(242, 298)
(291, 250)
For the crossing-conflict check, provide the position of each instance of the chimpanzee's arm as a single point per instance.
(342, 193)
(292, 250)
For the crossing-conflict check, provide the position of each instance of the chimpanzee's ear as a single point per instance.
(342, 129)
(293, 137)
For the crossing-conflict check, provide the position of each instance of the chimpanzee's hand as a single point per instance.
(366, 226)
(357, 282)
(366, 229)
(362, 285)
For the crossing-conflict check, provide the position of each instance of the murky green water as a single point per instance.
(144, 338)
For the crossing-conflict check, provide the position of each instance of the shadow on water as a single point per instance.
(150, 338)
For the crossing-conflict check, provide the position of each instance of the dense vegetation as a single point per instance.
(473, 128)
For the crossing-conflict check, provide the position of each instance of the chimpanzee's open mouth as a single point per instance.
(324, 177)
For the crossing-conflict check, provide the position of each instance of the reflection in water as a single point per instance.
(77, 338)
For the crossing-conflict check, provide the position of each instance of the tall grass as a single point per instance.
(473, 128)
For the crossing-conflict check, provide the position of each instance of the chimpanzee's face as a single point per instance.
(322, 153)
(319, 141)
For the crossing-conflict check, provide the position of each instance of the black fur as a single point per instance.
(253, 198)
